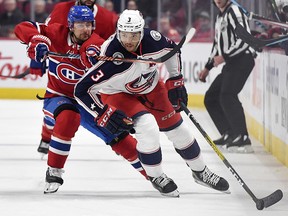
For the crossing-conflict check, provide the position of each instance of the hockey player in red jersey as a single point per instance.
(134, 90)
(61, 110)
(105, 26)
(104, 19)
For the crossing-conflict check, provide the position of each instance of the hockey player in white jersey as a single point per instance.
(133, 98)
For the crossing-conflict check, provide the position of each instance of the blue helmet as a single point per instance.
(80, 14)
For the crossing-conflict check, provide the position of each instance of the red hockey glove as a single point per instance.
(88, 57)
(115, 121)
(38, 48)
(37, 68)
(177, 92)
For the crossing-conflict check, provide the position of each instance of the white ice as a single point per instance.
(98, 182)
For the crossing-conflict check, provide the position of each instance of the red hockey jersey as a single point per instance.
(105, 20)
(63, 73)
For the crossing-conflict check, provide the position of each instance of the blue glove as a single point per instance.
(37, 68)
(88, 57)
(38, 48)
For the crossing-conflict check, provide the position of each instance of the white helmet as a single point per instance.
(130, 21)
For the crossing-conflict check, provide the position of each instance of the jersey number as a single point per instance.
(97, 76)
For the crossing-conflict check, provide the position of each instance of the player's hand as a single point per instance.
(38, 48)
(177, 92)
(115, 121)
(203, 74)
(88, 57)
(37, 68)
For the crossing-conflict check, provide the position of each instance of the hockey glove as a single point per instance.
(177, 92)
(115, 121)
(88, 57)
(37, 68)
(38, 48)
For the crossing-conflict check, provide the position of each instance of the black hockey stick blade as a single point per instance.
(162, 59)
(18, 76)
(260, 203)
(273, 198)
(254, 42)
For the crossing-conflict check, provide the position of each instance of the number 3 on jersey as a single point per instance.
(97, 76)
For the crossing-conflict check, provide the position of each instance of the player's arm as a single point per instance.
(87, 95)
(175, 83)
(31, 33)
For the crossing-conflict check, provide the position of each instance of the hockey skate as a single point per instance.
(43, 148)
(210, 179)
(241, 144)
(223, 140)
(165, 185)
(53, 180)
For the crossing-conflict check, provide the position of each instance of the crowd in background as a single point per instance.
(172, 22)
(175, 17)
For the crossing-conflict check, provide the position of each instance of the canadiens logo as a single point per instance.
(141, 83)
(117, 55)
(155, 35)
(69, 74)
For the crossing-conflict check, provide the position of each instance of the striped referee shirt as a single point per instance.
(226, 42)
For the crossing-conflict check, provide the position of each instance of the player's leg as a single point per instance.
(148, 141)
(65, 116)
(122, 144)
(47, 130)
(185, 144)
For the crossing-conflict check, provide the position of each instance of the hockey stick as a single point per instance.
(260, 203)
(260, 18)
(275, 9)
(254, 42)
(162, 59)
(18, 76)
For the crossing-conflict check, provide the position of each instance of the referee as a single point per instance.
(221, 99)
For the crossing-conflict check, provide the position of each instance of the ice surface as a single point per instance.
(98, 182)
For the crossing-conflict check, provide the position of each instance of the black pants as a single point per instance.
(221, 99)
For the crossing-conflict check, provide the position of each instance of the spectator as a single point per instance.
(40, 11)
(176, 10)
(202, 25)
(149, 11)
(109, 5)
(132, 5)
(167, 30)
(10, 17)
(273, 33)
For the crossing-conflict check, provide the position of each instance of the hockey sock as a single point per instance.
(127, 149)
(66, 125)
